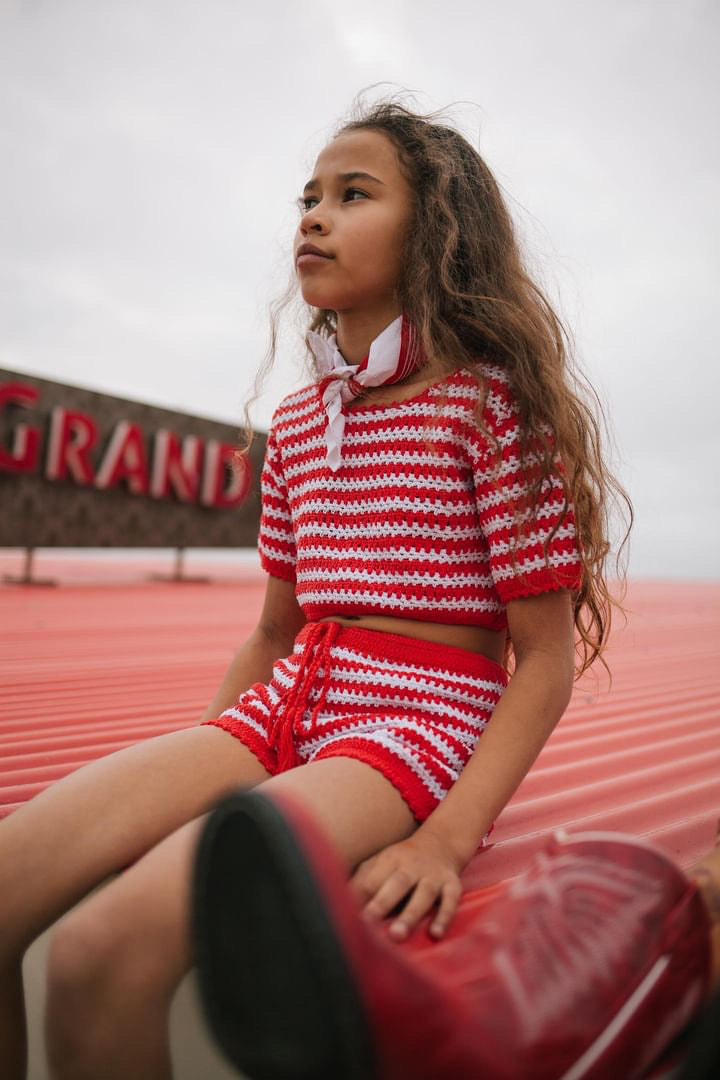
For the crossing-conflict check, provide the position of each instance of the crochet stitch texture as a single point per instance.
(404, 531)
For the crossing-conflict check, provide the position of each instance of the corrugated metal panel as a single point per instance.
(641, 755)
(88, 669)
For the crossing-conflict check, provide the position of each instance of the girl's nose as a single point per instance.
(313, 220)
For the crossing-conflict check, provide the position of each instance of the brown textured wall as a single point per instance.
(37, 512)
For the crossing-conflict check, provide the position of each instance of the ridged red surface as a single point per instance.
(87, 669)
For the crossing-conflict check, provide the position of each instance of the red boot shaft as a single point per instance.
(586, 966)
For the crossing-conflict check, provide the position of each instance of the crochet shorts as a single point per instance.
(412, 709)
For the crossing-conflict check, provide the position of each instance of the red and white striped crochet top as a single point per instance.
(399, 530)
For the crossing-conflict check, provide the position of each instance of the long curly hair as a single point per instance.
(467, 293)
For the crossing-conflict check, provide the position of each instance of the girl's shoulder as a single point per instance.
(464, 386)
(489, 382)
(491, 378)
(295, 405)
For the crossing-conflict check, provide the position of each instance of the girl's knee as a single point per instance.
(77, 955)
(95, 965)
(78, 959)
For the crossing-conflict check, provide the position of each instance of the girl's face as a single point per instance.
(356, 209)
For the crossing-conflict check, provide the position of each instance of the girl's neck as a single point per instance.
(356, 330)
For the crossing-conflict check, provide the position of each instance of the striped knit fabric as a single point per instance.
(412, 709)
(406, 531)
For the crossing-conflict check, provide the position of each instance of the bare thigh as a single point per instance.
(105, 816)
(136, 930)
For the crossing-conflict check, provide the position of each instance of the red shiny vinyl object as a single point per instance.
(585, 967)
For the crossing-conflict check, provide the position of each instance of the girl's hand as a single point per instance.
(421, 866)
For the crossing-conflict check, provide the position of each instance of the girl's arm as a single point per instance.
(530, 707)
(253, 662)
(280, 621)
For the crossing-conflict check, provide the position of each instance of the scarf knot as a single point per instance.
(393, 355)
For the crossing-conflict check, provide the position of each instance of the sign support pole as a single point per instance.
(177, 574)
(26, 578)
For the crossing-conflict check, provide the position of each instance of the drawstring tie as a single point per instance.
(290, 707)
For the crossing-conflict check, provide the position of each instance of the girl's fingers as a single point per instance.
(388, 896)
(423, 898)
(448, 906)
(360, 882)
(421, 903)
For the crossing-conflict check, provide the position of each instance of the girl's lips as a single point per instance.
(309, 258)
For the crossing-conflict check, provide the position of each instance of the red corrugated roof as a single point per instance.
(88, 669)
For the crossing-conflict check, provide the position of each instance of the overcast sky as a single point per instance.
(152, 151)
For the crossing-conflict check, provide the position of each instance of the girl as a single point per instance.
(434, 520)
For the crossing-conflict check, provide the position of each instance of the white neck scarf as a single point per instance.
(386, 362)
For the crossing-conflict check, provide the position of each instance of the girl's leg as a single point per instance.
(87, 826)
(114, 965)
(116, 960)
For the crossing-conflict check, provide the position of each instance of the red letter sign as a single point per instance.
(175, 468)
(26, 445)
(125, 460)
(72, 437)
(223, 487)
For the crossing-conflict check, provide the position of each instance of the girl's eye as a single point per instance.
(304, 201)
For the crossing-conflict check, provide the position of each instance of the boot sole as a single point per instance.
(276, 989)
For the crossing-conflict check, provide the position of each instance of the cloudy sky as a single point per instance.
(152, 151)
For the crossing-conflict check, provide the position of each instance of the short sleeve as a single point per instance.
(519, 561)
(276, 539)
